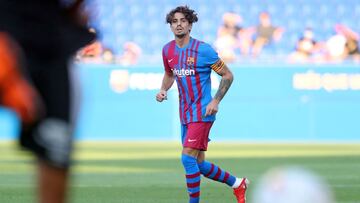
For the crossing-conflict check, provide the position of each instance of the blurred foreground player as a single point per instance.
(37, 41)
(292, 184)
(190, 62)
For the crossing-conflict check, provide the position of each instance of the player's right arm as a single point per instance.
(167, 82)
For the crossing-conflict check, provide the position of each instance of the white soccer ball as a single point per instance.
(292, 185)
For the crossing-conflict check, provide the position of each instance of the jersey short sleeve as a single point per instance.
(213, 59)
(211, 56)
(165, 61)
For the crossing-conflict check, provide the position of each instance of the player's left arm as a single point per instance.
(226, 80)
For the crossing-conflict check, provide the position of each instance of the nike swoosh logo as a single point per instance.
(190, 140)
(169, 61)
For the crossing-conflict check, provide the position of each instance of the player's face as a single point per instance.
(180, 26)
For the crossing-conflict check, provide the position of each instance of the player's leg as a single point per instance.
(192, 172)
(17, 93)
(214, 172)
(192, 175)
(50, 139)
(52, 183)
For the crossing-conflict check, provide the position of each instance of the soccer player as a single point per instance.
(190, 62)
(37, 40)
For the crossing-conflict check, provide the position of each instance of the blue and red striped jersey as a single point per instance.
(191, 66)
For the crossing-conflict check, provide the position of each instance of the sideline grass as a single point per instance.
(133, 172)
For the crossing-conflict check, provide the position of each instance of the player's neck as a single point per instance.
(182, 42)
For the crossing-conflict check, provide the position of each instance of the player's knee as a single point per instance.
(54, 137)
(190, 151)
(188, 161)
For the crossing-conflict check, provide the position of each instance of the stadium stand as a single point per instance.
(143, 22)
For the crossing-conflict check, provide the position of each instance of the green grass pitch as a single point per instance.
(139, 172)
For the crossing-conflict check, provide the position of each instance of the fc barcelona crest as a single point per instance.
(190, 61)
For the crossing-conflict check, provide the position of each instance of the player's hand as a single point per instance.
(161, 96)
(212, 108)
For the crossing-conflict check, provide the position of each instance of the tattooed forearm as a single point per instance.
(223, 88)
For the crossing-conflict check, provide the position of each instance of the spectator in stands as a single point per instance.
(352, 48)
(131, 54)
(352, 43)
(265, 33)
(226, 42)
(91, 51)
(96, 52)
(343, 45)
(306, 46)
(108, 56)
(232, 36)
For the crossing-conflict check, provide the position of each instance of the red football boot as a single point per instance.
(240, 191)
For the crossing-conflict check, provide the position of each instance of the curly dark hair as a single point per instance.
(190, 14)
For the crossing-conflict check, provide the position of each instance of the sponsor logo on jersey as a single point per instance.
(183, 72)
